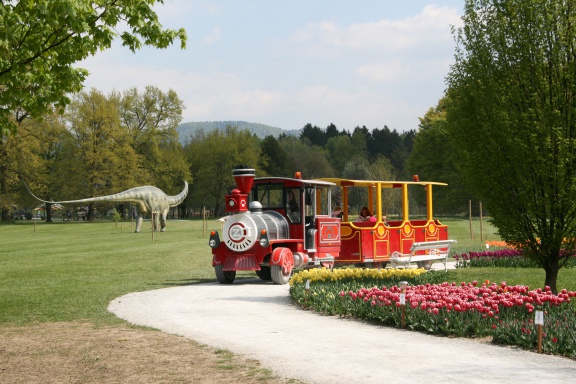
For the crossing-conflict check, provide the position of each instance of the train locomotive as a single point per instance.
(276, 225)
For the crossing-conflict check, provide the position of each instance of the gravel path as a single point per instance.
(258, 320)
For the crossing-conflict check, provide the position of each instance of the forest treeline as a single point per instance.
(103, 144)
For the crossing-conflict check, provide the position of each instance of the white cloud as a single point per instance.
(373, 73)
(384, 72)
(432, 24)
(213, 37)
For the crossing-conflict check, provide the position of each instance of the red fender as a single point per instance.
(217, 260)
(284, 258)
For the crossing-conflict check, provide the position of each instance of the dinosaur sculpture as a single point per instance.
(148, 198)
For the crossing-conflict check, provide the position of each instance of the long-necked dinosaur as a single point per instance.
(148, 198)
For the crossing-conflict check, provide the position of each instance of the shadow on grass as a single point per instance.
(239, 280)
(184, 282)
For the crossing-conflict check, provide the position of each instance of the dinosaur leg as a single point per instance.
(154, 219)
(141, 210)
(139, 221)
(163, 220)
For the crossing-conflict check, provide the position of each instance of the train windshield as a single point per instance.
(270, 196)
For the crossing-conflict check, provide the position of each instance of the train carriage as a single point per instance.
(372, 242)
(277, 225)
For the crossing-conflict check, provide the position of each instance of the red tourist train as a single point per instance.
(277, 225)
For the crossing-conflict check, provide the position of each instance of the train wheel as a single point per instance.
(224, 277)
(264, 273)
(278, 276)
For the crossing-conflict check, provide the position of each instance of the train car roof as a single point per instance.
(372, 183)
(295, 182)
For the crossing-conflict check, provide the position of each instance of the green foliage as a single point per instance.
(274, 160)
(40, 41)
(310, 160)
(339, 151)
(99, 148)
(382, 169)
(101, 145)
(116, 216)
(511, 113)
(17, 159)
(151, 118)
(313, 136)
(434, 158)
(212, 157)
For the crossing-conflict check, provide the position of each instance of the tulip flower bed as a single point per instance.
(511, 258)
(506, 313)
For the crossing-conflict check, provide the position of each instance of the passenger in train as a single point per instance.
(292, 208)
(364, 214)
(337, 212)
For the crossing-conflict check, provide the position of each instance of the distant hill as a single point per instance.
(187, 130)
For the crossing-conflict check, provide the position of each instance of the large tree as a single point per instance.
(41, 40)
(308, 159)
(151, 118)
(339, 150)
(104, 160)
(313, 135)
(274, 161)
(19, 160)
(512, 112)
(434, 158)
(212, 157)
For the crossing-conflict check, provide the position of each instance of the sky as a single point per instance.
(282, 63)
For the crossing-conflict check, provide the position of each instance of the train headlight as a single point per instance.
(264, 242)
(214, 241)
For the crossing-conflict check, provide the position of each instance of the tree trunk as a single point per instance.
(122, 210)
(48, 208)
(5, 215)
(90, 213)
(551, 269)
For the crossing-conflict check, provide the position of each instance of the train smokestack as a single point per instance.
(244, 178)
(237, 199)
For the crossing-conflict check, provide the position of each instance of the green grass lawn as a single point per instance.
(68, 271)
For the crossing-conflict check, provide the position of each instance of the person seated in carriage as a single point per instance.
(337, 212)
(364, 215)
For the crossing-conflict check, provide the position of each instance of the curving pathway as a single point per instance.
(258, 320)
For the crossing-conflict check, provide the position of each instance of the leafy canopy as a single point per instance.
(512, 113)
(41, 40)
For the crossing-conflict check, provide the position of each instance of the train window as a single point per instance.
(269, 195)
(293, 202)
(323, 201)
(310, 201)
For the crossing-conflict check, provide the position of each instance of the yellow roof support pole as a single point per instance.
(405, 216)
(345, 203)
(379, 201)
(429, 202)
(371, 200)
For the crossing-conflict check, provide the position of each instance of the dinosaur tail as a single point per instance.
(179, 198)
(133, 195)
